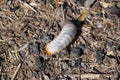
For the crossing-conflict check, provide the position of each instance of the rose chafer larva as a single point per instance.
(64, 38)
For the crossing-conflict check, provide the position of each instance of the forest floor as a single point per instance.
(27, 26)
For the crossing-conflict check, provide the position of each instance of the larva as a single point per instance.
(64, 38)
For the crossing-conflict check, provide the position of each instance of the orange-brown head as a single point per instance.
(47, 51)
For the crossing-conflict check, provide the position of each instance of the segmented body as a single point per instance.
(64, 38)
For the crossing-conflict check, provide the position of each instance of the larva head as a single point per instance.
(47, 51)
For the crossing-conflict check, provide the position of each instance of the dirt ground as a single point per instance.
(27, 26)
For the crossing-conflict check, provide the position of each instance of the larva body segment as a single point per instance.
(62, 40)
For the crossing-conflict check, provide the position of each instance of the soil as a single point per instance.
(27, 26)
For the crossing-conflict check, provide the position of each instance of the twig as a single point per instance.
(20, 49)
(85, 76)
(90, 76)
(5, 40)
(28, 6)
(18, 68)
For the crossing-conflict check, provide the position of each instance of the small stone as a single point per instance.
(76, 52)
(51, 36)
(82, 46)
(46, 77)
(100, 24)
(36, 48)
(64, 52)
(64, 66)
(48, 38)
(100, 55)
(72, 63)
(115, 10)
(76, 63)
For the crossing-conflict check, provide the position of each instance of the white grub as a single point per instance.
(64, 38)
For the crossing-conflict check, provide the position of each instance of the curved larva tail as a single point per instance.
(62, 40)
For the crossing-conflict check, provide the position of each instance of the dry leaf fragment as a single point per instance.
(83, 15)
(110, 53)
(105, 4)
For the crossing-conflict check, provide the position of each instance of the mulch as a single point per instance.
(27, 26)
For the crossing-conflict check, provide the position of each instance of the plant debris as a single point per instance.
(26, 26)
